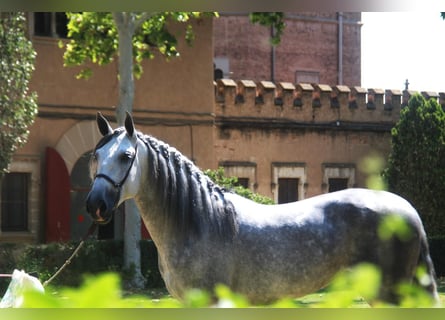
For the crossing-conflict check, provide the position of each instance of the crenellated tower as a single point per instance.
(315, 134)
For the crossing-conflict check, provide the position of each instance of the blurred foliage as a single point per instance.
(93, 37)
(231, 183)
(372, 166)
(95, 257)
(394, 226)
(416, 164)
(18, 106)
(352, 288)
(274, 20)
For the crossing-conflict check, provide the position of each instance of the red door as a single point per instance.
(57, 198)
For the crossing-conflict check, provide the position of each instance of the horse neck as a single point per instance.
(178, 201)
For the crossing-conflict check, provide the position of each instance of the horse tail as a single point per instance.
(425, 260)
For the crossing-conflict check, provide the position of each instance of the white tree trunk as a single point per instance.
(132, 229)
(125, 27)
(132, 250)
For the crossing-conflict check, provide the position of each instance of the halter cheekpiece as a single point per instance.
(118, 185)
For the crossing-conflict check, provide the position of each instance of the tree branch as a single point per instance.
(145, 16)
(118, 18)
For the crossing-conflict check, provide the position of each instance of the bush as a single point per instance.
(94, 257)
(98, 258)
(416, 165)
(231, 183)
(149, 265)
(352, 288)
(437, 248)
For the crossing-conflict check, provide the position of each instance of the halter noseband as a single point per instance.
(118, 185)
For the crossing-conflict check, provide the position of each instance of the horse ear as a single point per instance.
(129, 124)
(102, 123)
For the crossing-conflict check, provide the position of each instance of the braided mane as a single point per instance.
(190, 201)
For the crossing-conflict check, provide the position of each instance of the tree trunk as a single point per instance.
(125, 27)
(132, 228)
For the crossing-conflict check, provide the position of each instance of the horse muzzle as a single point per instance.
(101, 204)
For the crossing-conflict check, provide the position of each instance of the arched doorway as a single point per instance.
(75, 148)
(79, 219)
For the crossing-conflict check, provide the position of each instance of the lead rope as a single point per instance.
(91, 230)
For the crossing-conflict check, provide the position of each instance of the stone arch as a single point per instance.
(79, 139)
(75, 147)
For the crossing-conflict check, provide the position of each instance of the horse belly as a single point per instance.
(269, 285)
(292, 268)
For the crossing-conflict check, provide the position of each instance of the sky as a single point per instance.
(403, 45)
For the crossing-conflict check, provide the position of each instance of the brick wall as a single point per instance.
(309, 44)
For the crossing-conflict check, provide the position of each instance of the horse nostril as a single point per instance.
(96, 208)
(98, 216)
(102, 206)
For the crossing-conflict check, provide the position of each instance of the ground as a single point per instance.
(306, 301)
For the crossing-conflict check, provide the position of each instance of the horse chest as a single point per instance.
(196, 266)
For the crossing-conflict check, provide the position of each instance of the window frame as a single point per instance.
(338, 170)
(241, 169)
(307, 76)
(31, 165)
(295, 170)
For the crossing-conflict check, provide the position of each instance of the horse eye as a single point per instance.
(127, 155)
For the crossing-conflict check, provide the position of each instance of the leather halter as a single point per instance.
(118, 185)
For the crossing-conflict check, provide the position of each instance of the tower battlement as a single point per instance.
(311, 103)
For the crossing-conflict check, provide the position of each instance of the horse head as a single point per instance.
(115, 169)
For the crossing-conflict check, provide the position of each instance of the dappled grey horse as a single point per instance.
(206, 235)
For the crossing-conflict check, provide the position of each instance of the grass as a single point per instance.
(104, 291)
(310, 300)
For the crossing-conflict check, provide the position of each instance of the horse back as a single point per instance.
(358, 206)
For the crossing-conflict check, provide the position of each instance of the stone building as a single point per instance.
(285, 140)
(174, 101)
(292, 142)
(315, 48)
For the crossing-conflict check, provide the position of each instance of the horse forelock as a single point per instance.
(107, 138)
(190, 201)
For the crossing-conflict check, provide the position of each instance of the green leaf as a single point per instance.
(94, 37)
(18, 106)
(416, 164)
(231, 183)
(361, 281)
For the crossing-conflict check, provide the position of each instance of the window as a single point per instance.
(303, 76)
(287, 190)
(337, 184)
(221, 67)
(14, 201)
(243, 182)
(288, 181)
(338, 176)
(244, 171)
(50, 24)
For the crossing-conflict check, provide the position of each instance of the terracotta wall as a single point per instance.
(266, 124)
(174, 94)
(174, 101)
